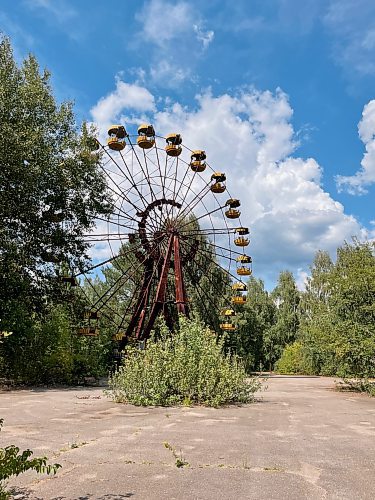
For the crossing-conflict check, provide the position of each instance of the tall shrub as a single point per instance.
(188, 367)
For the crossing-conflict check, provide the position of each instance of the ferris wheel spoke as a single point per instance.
(197, 198)
(111, 221)
(114, 312)
(146, 174)
(218, 246)
(202, 298)
(110, 177)
(204, 215)
(159, 168)
(208, 256)
(119, 280)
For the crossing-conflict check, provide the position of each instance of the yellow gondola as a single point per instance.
(218, 188)
(146, 136)
(218, 177)
(244, 259)
(240, 241)
(91, 315)
(173, 147)
(242, 230)
(88, 331)
(227, 312)
(197, 163)
(243, 271)
(238, 299)
(116, 140)
(232, 213)
(228, 327)
(118, 336)
(239, 287)
(233, 203)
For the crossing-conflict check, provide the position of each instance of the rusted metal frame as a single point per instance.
(181, 300)
(146, 175)
(219, 230)
(140, 305)
(160, 291)
(173, 179)
(189, 188)
(142, 223)
(124, 339)
(102, 263)
(129, 179)
(182, 182)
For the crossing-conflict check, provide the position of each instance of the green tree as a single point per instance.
(51, 190)
(337, 333)
(47, 174)
(256, 319)
(286, 298)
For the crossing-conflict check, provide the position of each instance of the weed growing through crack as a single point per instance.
(179, 460)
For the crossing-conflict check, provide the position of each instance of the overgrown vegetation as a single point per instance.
(187, 368)
(14, 462)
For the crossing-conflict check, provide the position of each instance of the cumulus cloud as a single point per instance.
(126, 96)
(249, 135)
(356, 184)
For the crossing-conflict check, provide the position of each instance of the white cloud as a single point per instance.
(59, 9)
(177, 39)
(205, 37)
(163, 21)
(127, 96)
(352, 26)
(249, 136)
(355, 184)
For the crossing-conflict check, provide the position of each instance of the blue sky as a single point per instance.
(296, 78)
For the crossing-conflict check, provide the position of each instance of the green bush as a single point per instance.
(291, 360)
(188, 367)
(14, 462)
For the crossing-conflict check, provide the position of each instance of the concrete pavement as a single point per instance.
(300, 440)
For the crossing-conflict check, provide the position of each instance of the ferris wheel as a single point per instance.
(171, 216)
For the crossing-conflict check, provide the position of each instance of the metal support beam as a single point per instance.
(179, 280)
(160, 292)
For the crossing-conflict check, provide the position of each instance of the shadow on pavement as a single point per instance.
(26, 494)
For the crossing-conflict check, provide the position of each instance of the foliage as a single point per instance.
(358, 385)
(284, 330)
(47, 171)
(185, 368)
(14, 462)
(338, 327)
(255, 319)
(291, 360)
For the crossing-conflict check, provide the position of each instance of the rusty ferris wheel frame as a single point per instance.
(166, 213)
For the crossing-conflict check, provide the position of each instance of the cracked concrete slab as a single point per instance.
(300, 440)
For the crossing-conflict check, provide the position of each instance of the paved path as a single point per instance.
(302, 440)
